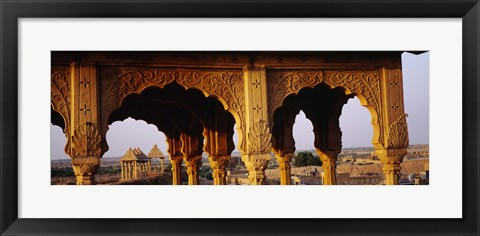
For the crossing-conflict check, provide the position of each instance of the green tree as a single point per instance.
(206, 172)
(306, 159)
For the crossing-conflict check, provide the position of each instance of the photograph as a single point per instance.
(278, 117)
(239, 118)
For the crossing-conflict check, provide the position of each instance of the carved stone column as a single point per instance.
(258, 151)
(85, 139)
(122, 172)
(285, 168)
(176, 162)
(85, 153)
(193, 168)
(329, 165)
(395, 131)
(218, 164)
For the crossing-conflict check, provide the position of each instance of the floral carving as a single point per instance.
(61, 91)
(86, 141)
(259, 137)
(61, 100)
(398, 133)
(224, 84)
(60, 86)
(282, 83)
(365, 83)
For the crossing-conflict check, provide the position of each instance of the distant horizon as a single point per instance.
(236, 151)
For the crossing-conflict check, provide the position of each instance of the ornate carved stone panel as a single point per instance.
(364, 83)
(61, 101)
(398, 133)
(282, 83)
(259, 137)
(227, 85)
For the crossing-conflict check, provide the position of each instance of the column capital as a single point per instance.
(193, 163)
(329, 165)
(391, 156)
(218, 164)
(85, 169)
(176, 160)
(391, 169)
(391, 160)
(256, 166)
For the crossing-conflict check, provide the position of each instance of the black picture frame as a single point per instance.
(11, 11)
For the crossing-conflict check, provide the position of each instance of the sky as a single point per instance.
(355, 121)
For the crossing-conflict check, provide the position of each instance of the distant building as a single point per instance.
(134, 164)
(153, 155)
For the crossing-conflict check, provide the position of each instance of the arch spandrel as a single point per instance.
(61, 98)
(226, 85)
(365, 84)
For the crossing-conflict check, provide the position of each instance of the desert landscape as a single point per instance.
(355, 166)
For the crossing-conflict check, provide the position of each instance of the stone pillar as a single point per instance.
(285, 168)
(162, 165)
(394, 132)
(129, 172)
(125, 167)
(85, 134)
(135, 170)
(218, 164)
(256, 166)
(256, 153)
(329, 165)
(176, 162)
(193, 168)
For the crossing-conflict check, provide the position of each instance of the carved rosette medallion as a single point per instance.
(225, 84)
(398, 133)
(259, 138)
